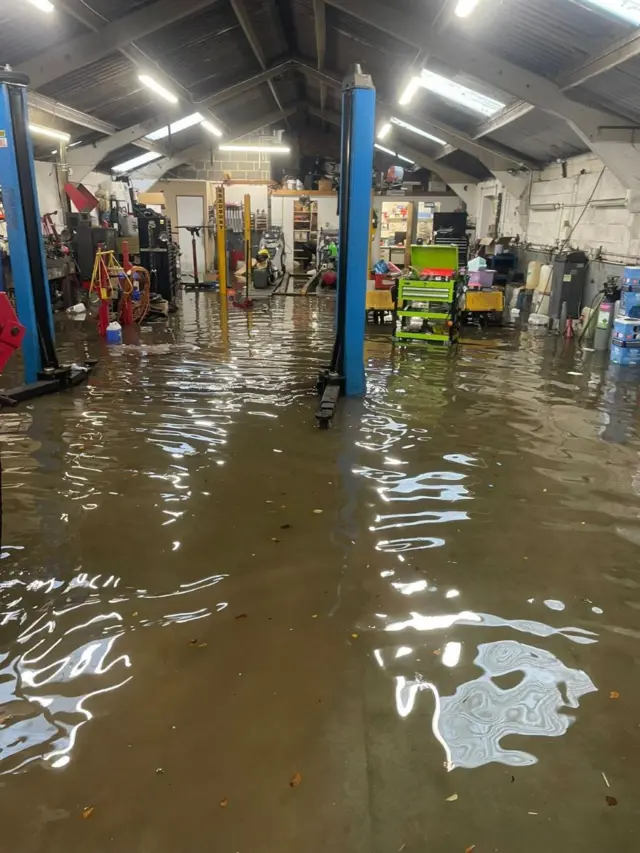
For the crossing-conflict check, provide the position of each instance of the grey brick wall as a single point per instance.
(237, 165)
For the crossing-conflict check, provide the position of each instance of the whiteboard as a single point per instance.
(190, 211)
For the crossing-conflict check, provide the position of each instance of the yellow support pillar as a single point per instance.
(221, 240)
(247, 242)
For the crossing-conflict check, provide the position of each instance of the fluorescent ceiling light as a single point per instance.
(152, 84)
(211, 128)
(50, 132)
(384, 131)
(43, 5)
(393, 153)
(417, 130)
(412, 87)
(175, 127)
(129, 165)
(628, 10)
(262, 149)
(459, 94)
(465, 7)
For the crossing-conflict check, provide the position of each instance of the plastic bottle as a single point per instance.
(114, 333)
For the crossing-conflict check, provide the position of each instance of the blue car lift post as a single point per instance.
(346, 374)
(43, 373)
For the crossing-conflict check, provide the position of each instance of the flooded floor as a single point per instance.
(223, 630)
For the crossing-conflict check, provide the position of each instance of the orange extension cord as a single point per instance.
(140, 309)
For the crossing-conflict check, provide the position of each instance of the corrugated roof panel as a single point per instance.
(205, 52)
(108, 89)
(617, 90)
(25, 31)
(541, 136)
(302, 14)
(548, 37)
(427, 104)
(350, 41)
(267, 25)
(112, 9)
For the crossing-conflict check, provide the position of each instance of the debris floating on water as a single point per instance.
(224, 803)
(452, 798)
(614, 694)
(295, 780)
(87, 811)
(611, 801)
(606, 781)
(318, 511)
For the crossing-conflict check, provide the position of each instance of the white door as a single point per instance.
(190, 210)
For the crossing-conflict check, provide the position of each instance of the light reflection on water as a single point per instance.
(471, 722)
(127, 450)
(111, 484)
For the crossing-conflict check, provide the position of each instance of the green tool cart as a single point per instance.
(431, 296)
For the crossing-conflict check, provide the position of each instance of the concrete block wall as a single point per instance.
(610, 233)
(237, 165)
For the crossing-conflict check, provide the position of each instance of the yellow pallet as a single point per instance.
(484, 300)
(379, 300)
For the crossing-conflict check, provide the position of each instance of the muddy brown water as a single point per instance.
(202, 596)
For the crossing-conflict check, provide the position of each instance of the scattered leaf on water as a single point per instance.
(437, 651)
(135, 613)
(193, 642)
(273, 539)
(611, 801)
(224, 803)
(452, 798)
(314, 616)
(87, 811)
(159, 771)
(470, 849)
(285, 526)
(242, 616)
(202, 645)
(295, 780)
(318, 511)
(614, 694)
(355, 636)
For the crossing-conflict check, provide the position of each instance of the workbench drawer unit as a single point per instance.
(436, 295)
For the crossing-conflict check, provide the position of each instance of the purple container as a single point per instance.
(482, 278)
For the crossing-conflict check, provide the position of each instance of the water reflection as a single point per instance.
(471, 723)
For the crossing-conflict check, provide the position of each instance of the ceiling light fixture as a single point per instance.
(459, 94)
(407, 96)
(465, 7)
(417, 130)
(384, 131)
(152, 84)
(393, 153)
(262, 149)
(210, 128)
(175, 127)
(50, 132)
(628, 10)
(43, 5)
(142, 160)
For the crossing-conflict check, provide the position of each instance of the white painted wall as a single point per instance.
(612, 232)
(259, 193)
